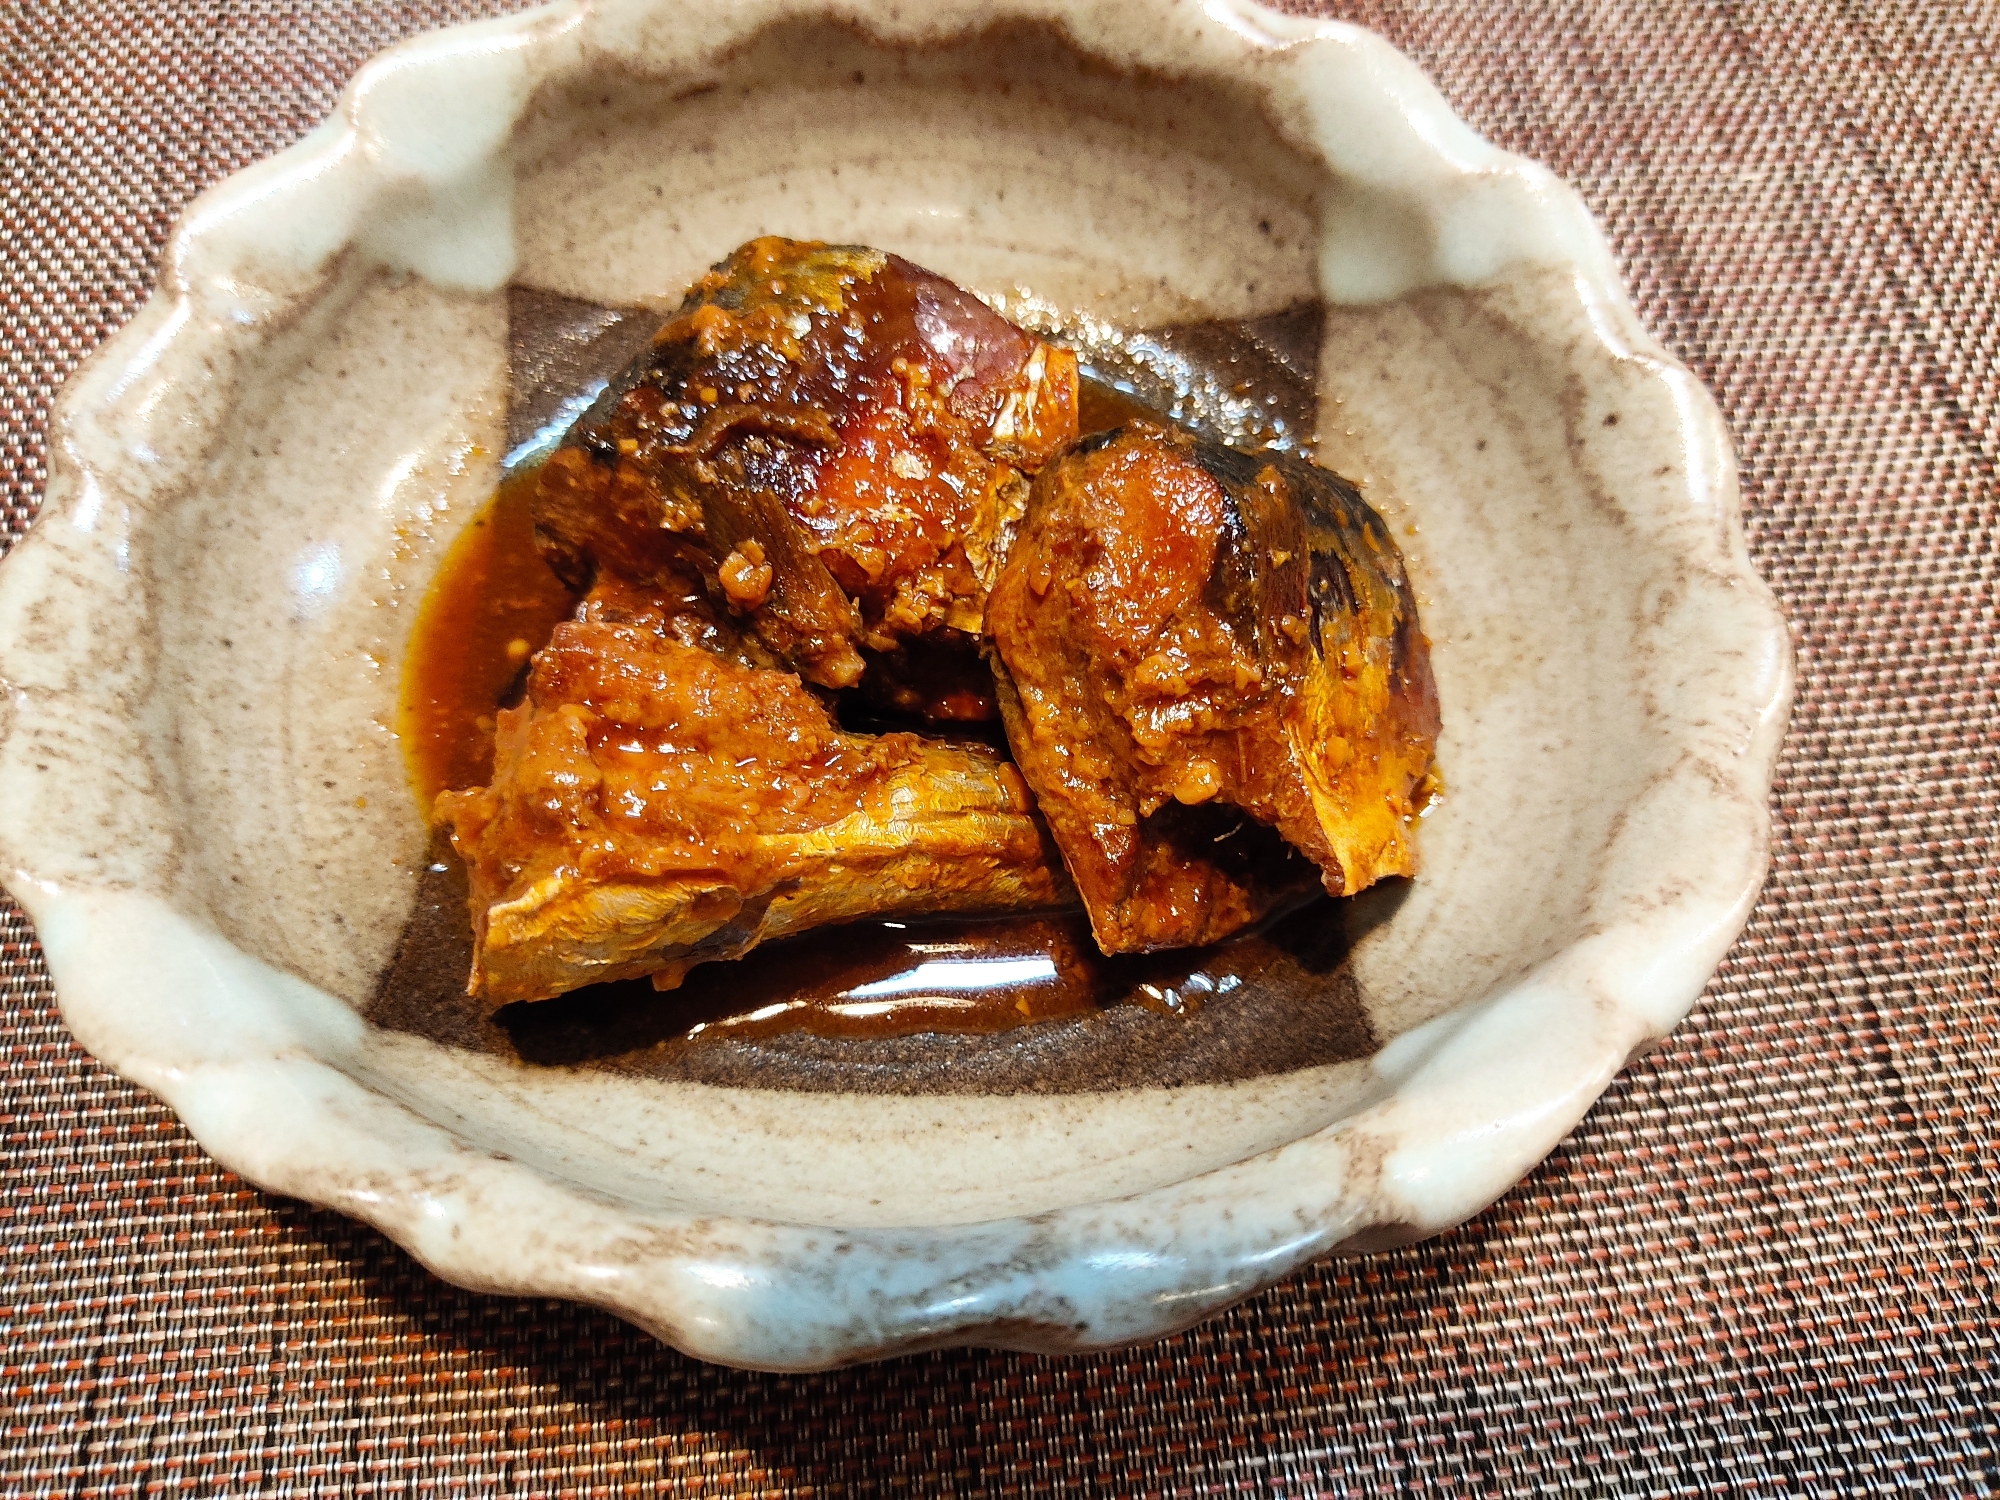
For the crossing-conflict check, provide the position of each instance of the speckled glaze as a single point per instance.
(203, 805)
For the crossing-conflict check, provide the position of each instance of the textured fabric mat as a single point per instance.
(1766, 1261)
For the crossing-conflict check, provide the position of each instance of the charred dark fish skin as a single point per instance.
(831, 441)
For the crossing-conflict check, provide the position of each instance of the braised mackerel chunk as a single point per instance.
(656, 804)
(835, 481)
(1182, 628)
(835, 442)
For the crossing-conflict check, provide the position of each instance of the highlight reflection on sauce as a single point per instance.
(877, 980)
(950, 976)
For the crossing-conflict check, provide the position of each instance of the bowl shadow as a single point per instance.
(1265, 1378)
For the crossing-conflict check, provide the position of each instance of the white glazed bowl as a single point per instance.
(204, 808)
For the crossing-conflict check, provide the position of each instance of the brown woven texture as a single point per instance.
(1765, 1262)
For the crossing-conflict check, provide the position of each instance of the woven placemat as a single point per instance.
(1766, 1262)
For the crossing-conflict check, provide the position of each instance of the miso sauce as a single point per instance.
(493, 604)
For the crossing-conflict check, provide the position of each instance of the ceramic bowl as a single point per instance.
(204, 807)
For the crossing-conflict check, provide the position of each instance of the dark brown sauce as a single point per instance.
(493, 603)
(878, 979)
(809, 1013)
(1101, 406)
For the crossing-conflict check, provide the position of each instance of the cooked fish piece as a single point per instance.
(1182, 629)
(656, 804)
(835, 442)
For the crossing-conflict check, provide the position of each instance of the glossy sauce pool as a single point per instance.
(493, 604)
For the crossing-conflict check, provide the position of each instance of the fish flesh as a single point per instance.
(804, 484)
